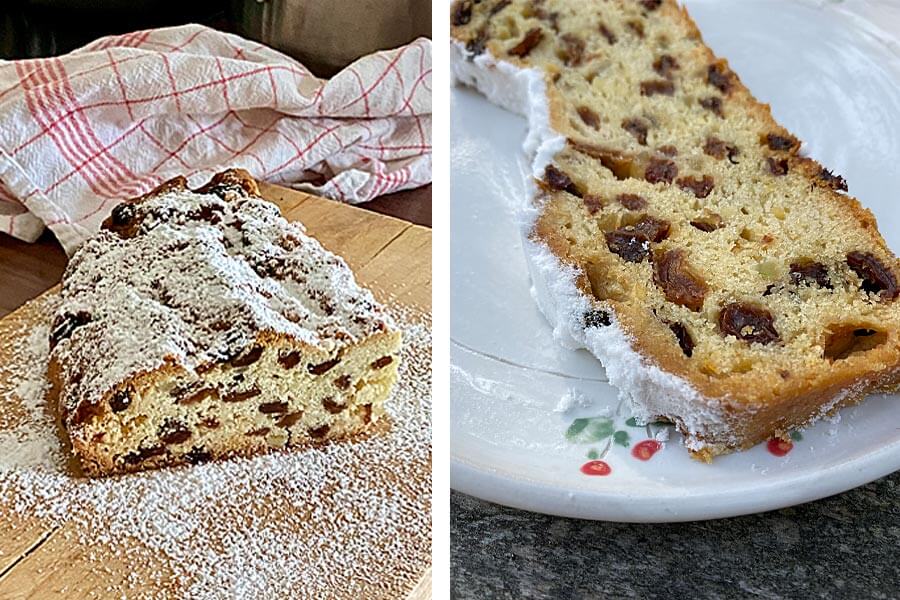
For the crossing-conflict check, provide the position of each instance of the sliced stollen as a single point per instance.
(726, 282)
(202, 324)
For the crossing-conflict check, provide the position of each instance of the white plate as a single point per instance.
(832, 75)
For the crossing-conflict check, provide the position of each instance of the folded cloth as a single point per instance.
(114, 119)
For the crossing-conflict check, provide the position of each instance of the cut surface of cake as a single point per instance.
(728, 283)
(202, 324)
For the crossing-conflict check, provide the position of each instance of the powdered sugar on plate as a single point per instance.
(346, 519)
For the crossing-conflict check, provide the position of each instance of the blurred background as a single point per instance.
(325, 35)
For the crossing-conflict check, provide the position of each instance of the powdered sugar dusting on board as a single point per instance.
(347, 519)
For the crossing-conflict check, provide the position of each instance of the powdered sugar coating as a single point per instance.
(190, 278)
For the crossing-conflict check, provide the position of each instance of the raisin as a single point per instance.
(708, 223)
(607, 33)
(85, 412)
(273, 408)
(120, 400)
(248, 358)
(810, 272)
(590, 118)
(835, 182)
(778, 166)
(679, 284)
(720, 77)
(557, 180)
(637, 128)
(241, 396)
(210, 423)
(636, 27)
(259, 432)
(289, 419)
(657, 86)
(632, 201)
(65, 324)
(748, 322)
(123, 214)
(323, 367)
(665, 64)
(655, 229)
(382, 362)
(593, 203)
(143, 454)
(714, 104)
(876, 277)
(198, 455)
(596, 318)
(173, 431)
(631, 246)
(660, 170)
(462, 13)
(319, 432)
(192, 397)
(528, 43)
(685, 341)
(366, 413)
(651, 5)
(290, 360)
(573, 49)
(700, 187)
(332, 406)
(781, 142)
(668, 150)
(719, 149)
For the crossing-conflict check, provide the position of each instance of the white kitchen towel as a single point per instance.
(114, 119)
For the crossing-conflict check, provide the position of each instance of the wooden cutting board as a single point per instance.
(391, 257)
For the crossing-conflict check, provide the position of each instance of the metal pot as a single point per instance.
(327, 35)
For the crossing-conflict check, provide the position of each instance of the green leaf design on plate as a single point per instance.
(796, 436)
(593, 454)
(588, 430)
(631, 422)
(621, 438)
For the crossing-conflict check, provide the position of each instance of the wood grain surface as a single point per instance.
(390, 256)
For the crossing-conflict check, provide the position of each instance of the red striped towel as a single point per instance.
(116, 118)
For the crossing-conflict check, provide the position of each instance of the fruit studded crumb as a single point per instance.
(342, 520)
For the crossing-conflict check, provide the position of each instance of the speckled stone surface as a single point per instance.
(847, 546)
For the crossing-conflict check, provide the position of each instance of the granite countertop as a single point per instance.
(846, 546)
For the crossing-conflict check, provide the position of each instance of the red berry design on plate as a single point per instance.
(779, 447)
(596, 467)
(646, 449)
